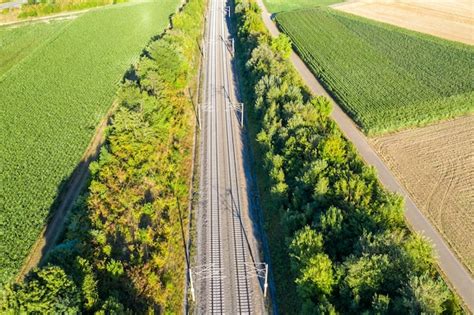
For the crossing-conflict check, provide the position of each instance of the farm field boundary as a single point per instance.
(48, 18)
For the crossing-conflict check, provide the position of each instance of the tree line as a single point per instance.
(122, 249)
(346, 246)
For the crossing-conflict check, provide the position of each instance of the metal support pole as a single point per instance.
(233, 47)
(242, 115)
(192, 285)
(199, 115)
(265, 285)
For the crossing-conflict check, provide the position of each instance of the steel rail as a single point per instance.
(225, 272)
(216, 303)
(240, 254)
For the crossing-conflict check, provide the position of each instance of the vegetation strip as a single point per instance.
(122, 250)
(328, 217)
(53, 99)
(277, 6)
(34, 8)
(386, 78)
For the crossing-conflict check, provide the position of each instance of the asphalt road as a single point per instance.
(12, 4)
(458, 276)
(227, 273)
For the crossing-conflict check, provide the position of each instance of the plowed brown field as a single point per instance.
(449, 19)
(435, 164)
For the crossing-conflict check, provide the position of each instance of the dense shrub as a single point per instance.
(348, 246)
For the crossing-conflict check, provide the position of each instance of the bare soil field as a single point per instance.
(435, 164)
(449, 19)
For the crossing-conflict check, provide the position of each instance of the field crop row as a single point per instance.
(50, 105)
(385, 77)
(276, 6)
(20, 42)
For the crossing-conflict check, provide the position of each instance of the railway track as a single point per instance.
(225, 276)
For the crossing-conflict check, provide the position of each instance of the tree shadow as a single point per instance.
(67, 193)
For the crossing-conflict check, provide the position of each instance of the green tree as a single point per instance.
(380, 304)
(316, 277)
(333, 149)
(282, 45)
(322, 106)
(420, 254)
(425, 295)
(305, 245)
(46, 290)
(364, 278)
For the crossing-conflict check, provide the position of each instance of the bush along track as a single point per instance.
(338, 239)
(122, 249)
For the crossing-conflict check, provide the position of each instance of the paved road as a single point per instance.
(226, 275)
(455, 272)
(13, 4)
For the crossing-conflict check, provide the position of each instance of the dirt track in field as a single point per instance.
(65, 201)
(449, 19)
(435, 164)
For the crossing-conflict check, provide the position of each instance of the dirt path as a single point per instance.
(68, 195)
(457, 275)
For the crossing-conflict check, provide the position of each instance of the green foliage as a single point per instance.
(52, 100)
(385, 77)
(282, 45)
(304, 245)
(316, 277)
(122, 249)
(420, 253)
(423, 295)
(347, 244)
(364, 278)
(46, 290)
(380, 304)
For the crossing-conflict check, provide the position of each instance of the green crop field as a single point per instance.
(19, 42)
(385, 77)
(276, 6)
(52, 98)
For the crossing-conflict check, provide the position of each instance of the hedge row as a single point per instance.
(338, 239)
